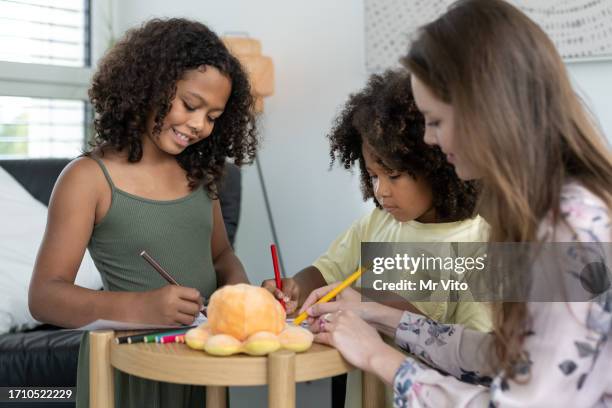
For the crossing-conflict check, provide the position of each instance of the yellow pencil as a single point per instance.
(332, 294)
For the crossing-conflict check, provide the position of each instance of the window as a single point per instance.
(35, 127)
(45, 32)
(45, 58)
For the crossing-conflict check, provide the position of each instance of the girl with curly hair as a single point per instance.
(498, 101)
(416, 194)
(172, 104)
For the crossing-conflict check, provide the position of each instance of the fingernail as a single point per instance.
(309, 310)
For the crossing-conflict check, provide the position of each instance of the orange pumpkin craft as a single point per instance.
(246, 319)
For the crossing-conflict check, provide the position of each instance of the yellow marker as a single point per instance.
(332, 294)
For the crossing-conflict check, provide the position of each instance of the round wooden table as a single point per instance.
(177, 363)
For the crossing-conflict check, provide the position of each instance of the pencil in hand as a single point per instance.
(167, 276)
(158, 268)
(332, 294)
(277, 275)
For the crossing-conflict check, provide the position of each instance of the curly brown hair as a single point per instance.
(385, 116)
(137, 78)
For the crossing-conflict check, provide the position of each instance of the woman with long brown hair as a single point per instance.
(497, 100)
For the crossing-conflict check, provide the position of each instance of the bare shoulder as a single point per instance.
(82, 177)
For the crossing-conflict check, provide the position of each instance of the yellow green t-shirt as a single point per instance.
(343, 256)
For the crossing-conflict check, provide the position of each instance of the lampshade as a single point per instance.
(259, 67)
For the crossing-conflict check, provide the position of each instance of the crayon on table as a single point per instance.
(134, 338)
(157, 338)
(171, 338)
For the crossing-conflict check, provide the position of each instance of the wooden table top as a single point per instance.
(177, 363)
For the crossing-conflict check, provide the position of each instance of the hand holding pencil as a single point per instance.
(290, 294)
(316, 304)
(170, 304)
(286, 290)
(277, 274)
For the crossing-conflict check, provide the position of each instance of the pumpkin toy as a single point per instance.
(246, 319)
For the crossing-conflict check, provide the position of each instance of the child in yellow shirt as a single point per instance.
(417, 196)
(416, 193)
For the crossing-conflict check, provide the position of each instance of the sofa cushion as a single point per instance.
(23, 222)
(230, 191)
(37, 176)
(45, 358)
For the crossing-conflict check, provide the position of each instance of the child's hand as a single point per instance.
(170, 305)
(290, 293)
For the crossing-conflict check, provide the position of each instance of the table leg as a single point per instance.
(216, 397)
(101, 385)
(281, 379)
(373, 391)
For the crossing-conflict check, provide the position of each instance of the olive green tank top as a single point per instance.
(176, 233)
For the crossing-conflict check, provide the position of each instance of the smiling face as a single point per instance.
(440, 128)
(403, 196)
(200, 99)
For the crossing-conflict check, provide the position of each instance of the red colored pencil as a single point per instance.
(169, 339)
(277, 276)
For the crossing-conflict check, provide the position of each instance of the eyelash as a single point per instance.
(434, 123)
(189, 108)
(392, 177)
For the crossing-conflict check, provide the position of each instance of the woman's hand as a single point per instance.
(168, 305)
(360, 344)
(348, 299)
(290, 293)
(351, 335)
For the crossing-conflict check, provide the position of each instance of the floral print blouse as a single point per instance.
(569, 348)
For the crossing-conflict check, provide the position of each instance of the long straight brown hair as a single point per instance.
(517, 120)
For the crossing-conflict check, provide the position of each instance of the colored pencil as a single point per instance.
(332, 294)
(148, 337)
(152, 337)
(134, 338)
(277, 275)
(165, 274)
(158, 268)
(157, 338)
(169, 338)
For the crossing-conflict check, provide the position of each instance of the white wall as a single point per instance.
(317, 49)
(593, 81)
